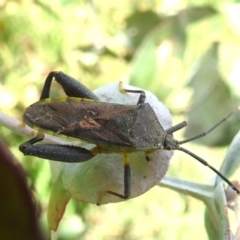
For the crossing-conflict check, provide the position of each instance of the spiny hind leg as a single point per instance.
(71, 86)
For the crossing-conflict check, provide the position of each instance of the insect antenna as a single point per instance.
(177, 127)
(211, 167)
(208, 131)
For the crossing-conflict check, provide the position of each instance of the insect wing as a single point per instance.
(134, 126)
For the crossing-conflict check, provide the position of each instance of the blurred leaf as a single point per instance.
(48, 9)
(57, 203)
(182, 19)
(216, 216)
(232, 159)
(210, 97)
(198, 191)
(18, 218)
(146, 71)
(195, 13)
(139, 24)
(144, 63)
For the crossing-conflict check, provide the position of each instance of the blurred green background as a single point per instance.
(186, 52)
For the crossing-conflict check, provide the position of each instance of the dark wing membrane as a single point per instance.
(53, 116)
(100, 123)
(78, 120)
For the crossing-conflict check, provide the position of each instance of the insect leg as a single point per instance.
(55, 152)
(142, 96)
(72, 87)
(127, 180)
(127, 183)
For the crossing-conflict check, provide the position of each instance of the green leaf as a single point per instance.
(232, 159)
(211, 100)
(139, 24)
(58, 201)
(169, 30)
(216, 216)
(198, 191)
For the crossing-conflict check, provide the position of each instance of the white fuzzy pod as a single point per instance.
(88, 181)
